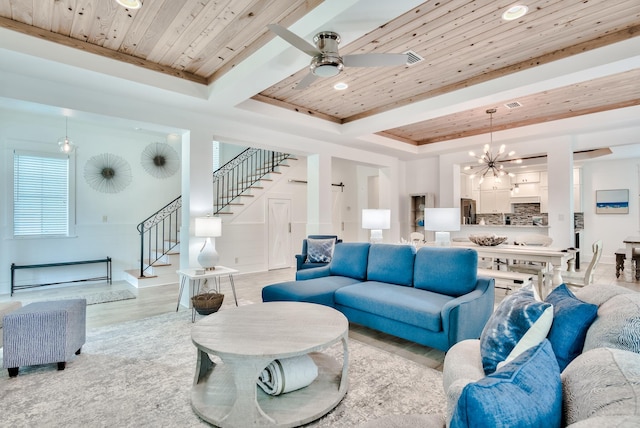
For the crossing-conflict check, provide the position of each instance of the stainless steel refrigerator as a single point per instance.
(468, 211)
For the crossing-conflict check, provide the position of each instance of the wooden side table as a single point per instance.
(195, 280)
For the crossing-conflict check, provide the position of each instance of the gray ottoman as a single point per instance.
(43, 333)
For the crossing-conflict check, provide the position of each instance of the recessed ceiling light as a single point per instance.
(340, 86)
(515, 12)
(130, 4)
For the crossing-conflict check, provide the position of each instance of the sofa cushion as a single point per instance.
(519, 322)
(617, 324)
(320, 250)
(317, 290)
(405, 304)
(391, 263)
(450, 271)
(602, 382)
(524, 393)
(571, 320)
(350, 259)
(600, 293)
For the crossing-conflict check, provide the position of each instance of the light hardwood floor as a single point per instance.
(163, 299)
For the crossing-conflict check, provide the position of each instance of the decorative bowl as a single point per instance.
(487, 240)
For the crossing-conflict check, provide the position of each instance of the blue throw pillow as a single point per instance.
(571, 319)
(519, 323)
(525, 393)
(320, 250)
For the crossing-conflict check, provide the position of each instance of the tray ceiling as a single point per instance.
(463, 43)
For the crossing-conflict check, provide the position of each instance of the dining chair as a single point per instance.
(533, 268)
(582, 278)
(416, 237)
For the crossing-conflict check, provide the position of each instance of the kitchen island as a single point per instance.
(510, 231)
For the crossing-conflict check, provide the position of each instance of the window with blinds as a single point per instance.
(40, 194)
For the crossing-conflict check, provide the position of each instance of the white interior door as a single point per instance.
(336, 213)
(279, 230)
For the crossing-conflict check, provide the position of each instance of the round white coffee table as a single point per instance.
(247, 339)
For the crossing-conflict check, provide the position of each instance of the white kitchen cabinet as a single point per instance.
(526, 189)
(490, 183)
(467, 186)
(526, 177)
(495, 201)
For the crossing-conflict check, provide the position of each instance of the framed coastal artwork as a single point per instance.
(614, 201)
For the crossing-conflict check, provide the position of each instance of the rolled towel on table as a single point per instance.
(287, 374)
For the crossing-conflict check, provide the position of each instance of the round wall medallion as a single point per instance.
(107, 173)
(160, 160)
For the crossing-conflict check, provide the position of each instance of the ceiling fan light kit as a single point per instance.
(326, 60)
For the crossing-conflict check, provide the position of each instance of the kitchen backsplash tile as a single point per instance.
(523, 215)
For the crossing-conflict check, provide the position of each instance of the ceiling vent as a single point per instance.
(513, 104)
(413, 58)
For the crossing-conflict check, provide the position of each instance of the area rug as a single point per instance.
(104, 296)
(140, 373)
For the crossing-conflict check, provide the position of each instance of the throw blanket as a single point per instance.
(287, 374)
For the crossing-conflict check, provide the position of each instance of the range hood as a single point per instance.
(525, 199)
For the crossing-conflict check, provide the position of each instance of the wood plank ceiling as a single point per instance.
(462, 42)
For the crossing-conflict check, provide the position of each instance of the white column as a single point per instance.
(449, 177)
(319, 200)
(560, 175)
(197, 196)
(388, 185)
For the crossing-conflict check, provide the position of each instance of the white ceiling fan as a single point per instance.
(326, 60)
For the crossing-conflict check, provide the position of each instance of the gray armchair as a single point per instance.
(301, 259)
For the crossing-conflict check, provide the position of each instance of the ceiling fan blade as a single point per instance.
(306, 81)
(294, 40)
(374, 60)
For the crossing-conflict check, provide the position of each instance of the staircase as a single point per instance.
(235, 185)
(236, 182)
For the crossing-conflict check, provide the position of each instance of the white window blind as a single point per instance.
(40, 194)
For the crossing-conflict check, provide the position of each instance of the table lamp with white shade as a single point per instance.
(442, 221)
(376, 220)
(208, 227)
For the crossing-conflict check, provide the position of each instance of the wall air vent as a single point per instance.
(513, 104)
(414, 58)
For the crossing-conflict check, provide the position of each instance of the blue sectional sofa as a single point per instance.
(432, 296)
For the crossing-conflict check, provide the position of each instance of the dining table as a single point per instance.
(630, 243)
(554, 260)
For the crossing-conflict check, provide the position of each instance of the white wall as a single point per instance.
(610, 228)
(105, 223)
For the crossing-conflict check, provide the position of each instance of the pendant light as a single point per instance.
(491, 163)
(64, 144)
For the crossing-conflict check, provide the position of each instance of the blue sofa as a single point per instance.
(432, 296)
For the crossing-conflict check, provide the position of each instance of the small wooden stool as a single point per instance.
(621, 256)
